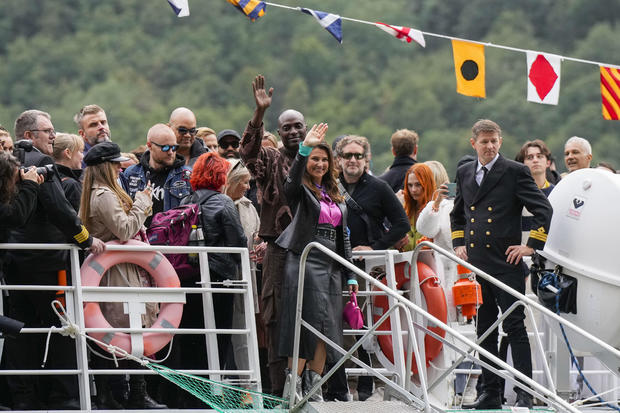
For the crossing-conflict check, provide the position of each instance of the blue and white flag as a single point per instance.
(180, 7)
(330, 22)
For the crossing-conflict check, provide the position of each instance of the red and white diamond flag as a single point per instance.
(543, 78)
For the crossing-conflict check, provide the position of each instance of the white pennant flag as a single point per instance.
(543, 78)
(180, 7)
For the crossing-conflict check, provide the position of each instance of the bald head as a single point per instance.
(183, 124)
(162, 146)
(160, 131)
(292, 129)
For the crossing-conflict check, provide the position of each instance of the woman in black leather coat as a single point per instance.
(221, 227)
(321, 216)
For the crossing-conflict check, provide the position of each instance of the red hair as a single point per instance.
(426, 179)
(209, 172)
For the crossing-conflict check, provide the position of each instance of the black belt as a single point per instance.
(327, 233)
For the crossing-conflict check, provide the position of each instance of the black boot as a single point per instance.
(105, 398)
(138, 397)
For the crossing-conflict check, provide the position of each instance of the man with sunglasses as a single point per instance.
(183, 124)
(163, 167)
(228, 144)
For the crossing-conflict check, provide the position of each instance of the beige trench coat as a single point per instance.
(108, 222)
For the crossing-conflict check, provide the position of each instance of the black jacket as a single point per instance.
(395, 176)
(17, 212)
(380, 204)
(487, 218)
(221, 227)
(71, 185)
(54, 221)
(197, 149)
(306, 209)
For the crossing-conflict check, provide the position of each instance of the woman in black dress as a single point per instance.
(320, 215)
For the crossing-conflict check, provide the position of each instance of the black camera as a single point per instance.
(46, 171)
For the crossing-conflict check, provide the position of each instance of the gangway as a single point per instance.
(407, 392)
(415, 393)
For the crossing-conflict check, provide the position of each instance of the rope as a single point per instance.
(69, 328)
(443, 36)
(602, 402)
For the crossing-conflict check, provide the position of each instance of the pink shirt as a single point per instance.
(330, 213)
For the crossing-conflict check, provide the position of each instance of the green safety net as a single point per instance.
(221, 396)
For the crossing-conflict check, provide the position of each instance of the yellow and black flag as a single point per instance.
(469, 68)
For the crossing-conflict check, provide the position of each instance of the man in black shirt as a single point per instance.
(163, 167)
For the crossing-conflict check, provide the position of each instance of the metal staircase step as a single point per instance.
(366, 407)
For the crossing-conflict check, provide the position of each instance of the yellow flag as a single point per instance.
(469, 68)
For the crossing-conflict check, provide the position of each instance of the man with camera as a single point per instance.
(54, 221)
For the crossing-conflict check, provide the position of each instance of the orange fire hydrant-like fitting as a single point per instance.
(467, 293)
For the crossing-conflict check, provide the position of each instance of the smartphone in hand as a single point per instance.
(451, 190)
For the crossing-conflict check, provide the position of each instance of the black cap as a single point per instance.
(104, 152)
(227, 132)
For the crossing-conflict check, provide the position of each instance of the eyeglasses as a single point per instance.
(50, 131)
(166, 148)
(234, 144)
(183, 130)
(349, 155)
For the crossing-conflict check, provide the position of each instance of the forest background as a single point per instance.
(138, 61)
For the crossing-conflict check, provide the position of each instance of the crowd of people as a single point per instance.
(272, 197)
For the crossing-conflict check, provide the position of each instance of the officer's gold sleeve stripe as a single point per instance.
(541, 236)
(82, 236)
(458, 234)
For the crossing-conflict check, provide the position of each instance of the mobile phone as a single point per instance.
(451, 190)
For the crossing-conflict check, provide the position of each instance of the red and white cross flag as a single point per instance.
(543, 78)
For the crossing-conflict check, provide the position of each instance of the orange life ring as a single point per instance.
(435, 303)
(164, 275)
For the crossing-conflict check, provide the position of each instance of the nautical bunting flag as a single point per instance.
(406, 34)
(543, 78)
(610, 92)
(330, 22)
(251, 8)
(180, 7)
(469, 68)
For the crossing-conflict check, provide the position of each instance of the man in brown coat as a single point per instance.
(269, 167)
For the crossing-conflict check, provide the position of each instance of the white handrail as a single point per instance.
(75, 301)
(517, 294)
(551, 396)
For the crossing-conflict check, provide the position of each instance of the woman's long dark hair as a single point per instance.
(329, 180)
(8, 168)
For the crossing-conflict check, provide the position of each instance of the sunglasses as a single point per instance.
(234, 144)
(183, 130)
(166, 148)
(349, 155)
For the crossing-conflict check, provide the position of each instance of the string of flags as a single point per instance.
(543, 69)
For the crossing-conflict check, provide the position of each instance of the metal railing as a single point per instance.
(535, 389)
(76, 295)
(403, 375)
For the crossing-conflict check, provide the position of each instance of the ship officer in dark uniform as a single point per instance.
(486, 232)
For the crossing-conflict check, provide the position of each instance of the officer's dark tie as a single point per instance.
(484, 174)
